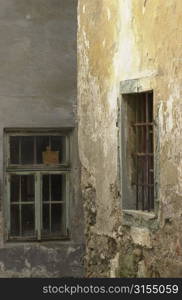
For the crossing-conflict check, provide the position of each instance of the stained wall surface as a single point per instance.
(119, 41)
(38, 90)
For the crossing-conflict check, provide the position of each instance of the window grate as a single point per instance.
(144, 156)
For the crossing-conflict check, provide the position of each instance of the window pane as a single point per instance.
(27, 150)
(57, 187)
(28, 220)
(27, 188)
(56, 184)
(45, 187)
(14, 149)
(42, 142)
(30, 149)
(58, 218)
(46, 223)
(14, 188)
(54, 217)
(15, 220)
(58, 143)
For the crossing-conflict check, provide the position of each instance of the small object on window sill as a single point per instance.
(50, 157)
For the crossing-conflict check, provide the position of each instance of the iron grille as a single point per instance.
(144, 156)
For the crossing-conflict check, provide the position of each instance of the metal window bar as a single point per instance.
(144, 156)
(20, 206)
(20, 160)
(35, 150)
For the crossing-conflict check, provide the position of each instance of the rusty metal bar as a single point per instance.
(147, 150)
(143, 154)
(136, 158)
(137, 184)
(143, 124)
(143, 150)
(144, 184)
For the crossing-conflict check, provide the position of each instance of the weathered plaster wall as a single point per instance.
(117, 41)
(98, 35)
(38, 89)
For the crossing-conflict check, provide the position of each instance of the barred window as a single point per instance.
(137, 151)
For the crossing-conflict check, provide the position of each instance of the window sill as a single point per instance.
(140, 218)
(140, 213)
(36, 243)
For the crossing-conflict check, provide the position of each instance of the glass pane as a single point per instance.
(58, 218)
(15, 220)
(14, 149)
(27, 150)
(54, 218)
(28, 220)
(58, 143)
(27, 188)
(42, 142)
(45, 187)
(14, 188)
(46, 223)
(26, 145)
(57, 187)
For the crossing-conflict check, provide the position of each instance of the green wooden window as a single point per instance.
(37, 181)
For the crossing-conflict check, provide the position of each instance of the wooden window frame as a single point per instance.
(38, 171)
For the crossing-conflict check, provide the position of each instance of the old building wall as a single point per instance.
(38, 90)
(98, 33)
(119, 41)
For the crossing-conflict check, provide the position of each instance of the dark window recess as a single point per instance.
(30, 150)
(138, 156)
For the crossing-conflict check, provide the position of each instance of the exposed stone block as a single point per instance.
(141, 236)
